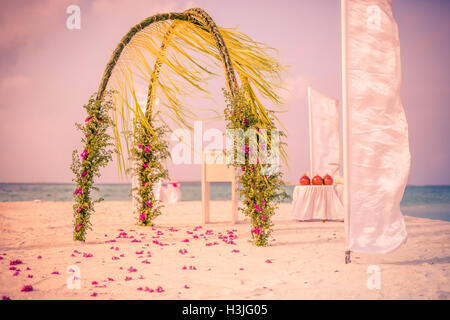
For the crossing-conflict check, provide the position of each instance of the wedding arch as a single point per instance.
(165, 51)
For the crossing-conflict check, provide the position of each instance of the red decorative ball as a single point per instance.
(317, 180)
(327, 180)
(304, 181)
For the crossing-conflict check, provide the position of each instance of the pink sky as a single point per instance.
(48, 72)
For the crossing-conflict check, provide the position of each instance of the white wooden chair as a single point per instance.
(215, 169)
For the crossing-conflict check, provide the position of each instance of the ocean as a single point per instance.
(431, 202)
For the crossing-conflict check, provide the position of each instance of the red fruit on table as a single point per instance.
(327, 180)
(317, 180)
(304, 181)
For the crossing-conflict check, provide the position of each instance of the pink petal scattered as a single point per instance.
(6, 297)
(159, 289)
(27, 288)
(268, 261)
(15, 262)
(94, 294)
(94, 283)
(131, 269)
(186, 286)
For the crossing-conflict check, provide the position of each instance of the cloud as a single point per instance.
(14, 82)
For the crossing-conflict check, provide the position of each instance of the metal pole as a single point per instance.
(311, 160)
(346, 129)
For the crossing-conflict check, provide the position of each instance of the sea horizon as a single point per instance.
(424, 201)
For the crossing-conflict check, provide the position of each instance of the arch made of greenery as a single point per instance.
(261, 191)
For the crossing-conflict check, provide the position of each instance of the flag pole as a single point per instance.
(311, 160)
(345, 118)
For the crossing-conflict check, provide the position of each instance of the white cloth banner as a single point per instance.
(379, 157)
(324, 133)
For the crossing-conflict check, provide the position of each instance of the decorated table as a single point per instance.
(317, 202)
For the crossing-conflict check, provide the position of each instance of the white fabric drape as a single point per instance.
(379, 157)
(324, 130)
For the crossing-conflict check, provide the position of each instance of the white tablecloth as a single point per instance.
(317, 203)
(172, 193)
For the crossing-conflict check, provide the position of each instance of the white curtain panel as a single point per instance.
(379, 156)
(324, 130)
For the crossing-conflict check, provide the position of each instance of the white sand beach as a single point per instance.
(304, 261)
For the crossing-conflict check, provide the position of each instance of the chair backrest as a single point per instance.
(216, 169)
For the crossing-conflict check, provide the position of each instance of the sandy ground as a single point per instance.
(121, 260)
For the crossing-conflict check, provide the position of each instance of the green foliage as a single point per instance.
(262, 192)
(96, 154)
(150, 153)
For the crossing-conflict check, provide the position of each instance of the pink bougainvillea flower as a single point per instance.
(15, 262)
(258, 208)
(87, 255)
(145, 166)
(263, 218)
(140, 146)
(159, 289)
(148, 203)
(39, 257)
(245, 121)
(142, 216)
(84, 174)
(235, 251)
(146, 261)
(27, 288)
(147, 289)
(257, 231)
(184, 268)
(268, 261)
(128, 278)
(84, 154)
(78, 191)
(79, 209)
(110, 279)
(140, 289)
(185, 240)
(94, 283)
(77, 227)
(88, 119)
(15, 274)
(55, 272)
(6, 298)
(140, 252)
(147, 149)
(30, 276)
(186, 286)
(94, 294)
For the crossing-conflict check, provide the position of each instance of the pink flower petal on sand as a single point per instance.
(268, 261)
(30, 276)
(94, 294)
(55, 272)
(186, 286)
(110, 279)
(235, 251)
(94, 283)
(131, 269)
(15, 274)
(159, 289)
(128, 278)
(185, 240)
(15, 262)
(27, 288)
